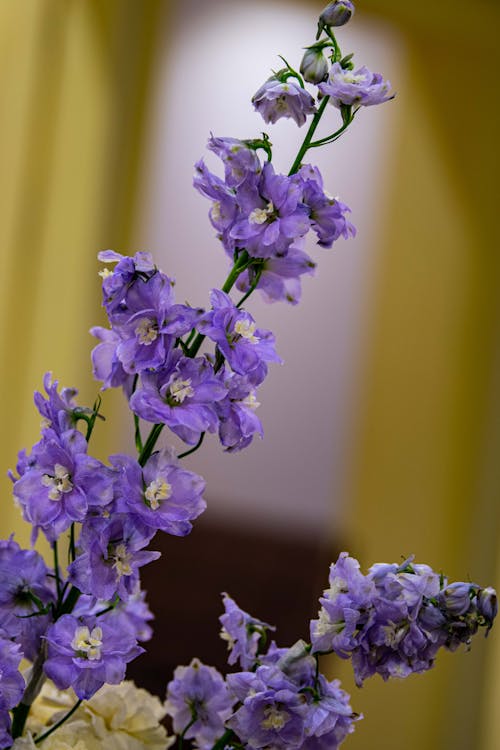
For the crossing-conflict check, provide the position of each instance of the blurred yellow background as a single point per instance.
(76, 79)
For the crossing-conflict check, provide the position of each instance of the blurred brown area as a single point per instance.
(276, 579)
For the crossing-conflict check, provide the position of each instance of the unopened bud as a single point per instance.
(314, 66)
(456, 598)
(487, 604)
(337, 13)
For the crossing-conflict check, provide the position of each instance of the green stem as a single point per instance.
(19, 716)
(194, 448)
(70, 713)
(253, 286)
(333, 137)
(182, 734)
(56, 571)
(72, 543)
(137, 434)
(35, 682)
(223, 741)
(307, 140)
(150, 443)
(70, 601)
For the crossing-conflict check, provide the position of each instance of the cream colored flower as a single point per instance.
(117, 717)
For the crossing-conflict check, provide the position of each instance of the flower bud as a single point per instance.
(314, 66)
(456, 598)
(487, 604)
(337, 13)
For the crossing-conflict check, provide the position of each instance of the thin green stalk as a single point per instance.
(35, 682)
(223, 741)
(307, 140)
(253, 286)
(137, 434)
(194, 448)
(53, 728)
(150, 443)
(72, 543)
(183, 733)
(68, 604)
(56, 571)
(334, 136)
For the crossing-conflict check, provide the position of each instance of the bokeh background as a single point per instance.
(383, 428)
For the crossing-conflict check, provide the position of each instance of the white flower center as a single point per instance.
(261, 215)
(323, 625)
(215, 212)
(58, 484)
(274, 718)
(226, 637)
(349, 77)
(394, 634)
(338, 586)
(181, 389)
(251, 401)
(122, 560)
(246, 329)
(147, 331)
(87, 644)
(105, 273)
(158, 490)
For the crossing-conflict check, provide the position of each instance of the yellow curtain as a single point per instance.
(75, 77)
(425, 473)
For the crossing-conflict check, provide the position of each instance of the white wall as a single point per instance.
(216, 55)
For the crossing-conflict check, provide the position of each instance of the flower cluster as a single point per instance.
(268, 215)
(394, 620)
(391, 622)
(194, 371)
(280, 700)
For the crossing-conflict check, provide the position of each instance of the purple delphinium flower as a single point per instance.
(276, 99)
(148, 335)
(273, 711)
(86, 652)
(132, 615)
(25, 592)
(135, 615)
(272, 216)
(327, 214)
(62, 483)
(330, 717)
(245, 347)
(346, 609)
(110, 555)
(279, 278)
(105, 363)
(393, 621)
(198, 698)
(117, 283)
(181, 396)
(242, 633)
(162, 494)
(11, 686)
(238, 422)
(58, 409)
(144, 318)
(12, 682)
(241, 163)
(224, 210)
(355, 87)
